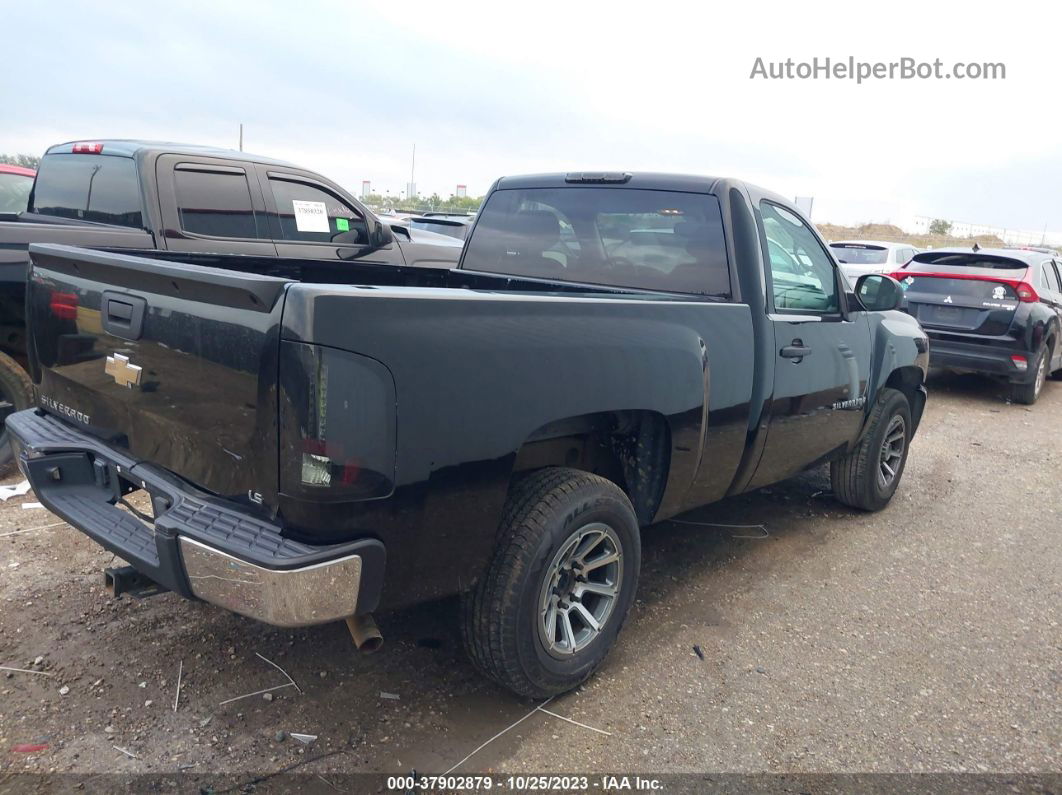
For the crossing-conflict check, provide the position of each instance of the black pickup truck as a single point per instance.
(322, 439)
(147, 195)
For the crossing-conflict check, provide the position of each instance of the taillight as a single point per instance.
(338, 424)
(88, 148)
(1020, 362)
(64, 305)
(1026, 292)
(898, 275)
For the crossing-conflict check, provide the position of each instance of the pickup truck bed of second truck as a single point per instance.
(324, 439)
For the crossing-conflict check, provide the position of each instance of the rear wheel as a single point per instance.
(1029, 393)
(868, 477)
(16, 393)
(563, 577)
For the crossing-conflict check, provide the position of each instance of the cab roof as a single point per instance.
(125, 147)
(611, 179)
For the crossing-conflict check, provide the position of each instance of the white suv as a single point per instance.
(857, 257)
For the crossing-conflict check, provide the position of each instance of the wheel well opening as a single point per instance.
(630, 448)
(908, 380)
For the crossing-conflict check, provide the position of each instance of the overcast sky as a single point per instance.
(504, 88)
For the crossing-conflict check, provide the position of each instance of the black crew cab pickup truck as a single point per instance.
(182, 198)
(321, 439)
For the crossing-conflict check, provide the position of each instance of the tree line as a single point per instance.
(26, 161)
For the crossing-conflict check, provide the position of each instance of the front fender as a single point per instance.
(899, 360)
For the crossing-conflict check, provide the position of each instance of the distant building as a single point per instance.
(411, 190)
(366, 188)
(462, 191)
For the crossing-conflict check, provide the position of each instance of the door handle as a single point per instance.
(797, 350)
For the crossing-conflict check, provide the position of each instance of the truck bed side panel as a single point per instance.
(477, 373)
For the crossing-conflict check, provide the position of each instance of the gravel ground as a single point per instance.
(922, 638)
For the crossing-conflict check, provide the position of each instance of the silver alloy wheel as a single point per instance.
(1041, 373)
(892, 448)
(579, 589)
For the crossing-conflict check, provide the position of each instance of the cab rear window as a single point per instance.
(622, 237)
(98, 188)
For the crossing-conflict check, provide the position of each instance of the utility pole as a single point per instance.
(241, 136)
(412, 165)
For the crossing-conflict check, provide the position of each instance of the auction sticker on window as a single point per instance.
(310, 216)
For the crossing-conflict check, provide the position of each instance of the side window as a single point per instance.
(1058, 275)
(802, 273)
(1048, 277)
(216, 203)
(310, 214)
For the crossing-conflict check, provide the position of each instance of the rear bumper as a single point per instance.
(199, 546)
(978, 358)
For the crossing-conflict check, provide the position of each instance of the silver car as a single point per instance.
(858, 257)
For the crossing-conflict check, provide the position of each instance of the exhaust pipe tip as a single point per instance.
(365, 634)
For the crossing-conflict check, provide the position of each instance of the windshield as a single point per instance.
(14, 192)
(860, 254)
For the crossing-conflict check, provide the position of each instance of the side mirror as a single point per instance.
(878, 292)
(383, 236)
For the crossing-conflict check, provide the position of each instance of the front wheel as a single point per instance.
(562, 580)
(868, 476)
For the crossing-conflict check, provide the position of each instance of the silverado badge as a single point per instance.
(123, 373)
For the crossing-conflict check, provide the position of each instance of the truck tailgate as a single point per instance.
(177, 364)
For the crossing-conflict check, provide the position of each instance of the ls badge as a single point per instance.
(123, 373)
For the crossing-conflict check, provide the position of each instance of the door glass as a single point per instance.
(802, 273)
(1049, 278)
(1052, 276)
(313, 215)
(215, 203)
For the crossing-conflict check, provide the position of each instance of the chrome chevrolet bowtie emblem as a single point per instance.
(123, 373)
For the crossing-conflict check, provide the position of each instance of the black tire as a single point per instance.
(1029, 393)
(855, 478)
(16, 389)
(500, 617)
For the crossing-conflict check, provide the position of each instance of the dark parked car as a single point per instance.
(148, 195)
(320, 439)
(992, 311)
(15, 185)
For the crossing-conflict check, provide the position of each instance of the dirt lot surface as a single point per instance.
(925, 638)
